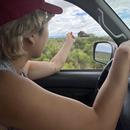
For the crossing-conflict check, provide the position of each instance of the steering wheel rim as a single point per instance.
(104, 74)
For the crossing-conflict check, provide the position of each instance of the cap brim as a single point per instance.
(52, 8)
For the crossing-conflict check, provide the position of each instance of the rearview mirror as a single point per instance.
(103, 51)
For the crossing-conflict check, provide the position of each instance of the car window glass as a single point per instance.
(122, 8)
(86, 31)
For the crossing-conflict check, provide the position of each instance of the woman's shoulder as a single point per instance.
(16, 93)
(7, 76)
(12, 81)
(13, 84)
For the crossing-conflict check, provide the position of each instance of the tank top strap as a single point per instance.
(7, 65)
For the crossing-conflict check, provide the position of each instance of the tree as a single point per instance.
(81, 56)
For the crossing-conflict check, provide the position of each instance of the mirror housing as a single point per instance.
(104, 51)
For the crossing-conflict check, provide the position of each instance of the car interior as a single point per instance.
(83, 85)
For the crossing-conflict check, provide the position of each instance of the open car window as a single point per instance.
(85, 29)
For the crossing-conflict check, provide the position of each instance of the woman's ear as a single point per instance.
(30, 40)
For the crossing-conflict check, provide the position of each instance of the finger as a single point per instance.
(72, 35)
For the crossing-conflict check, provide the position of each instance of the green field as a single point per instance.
(103, 57)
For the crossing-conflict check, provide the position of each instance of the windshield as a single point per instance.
(122, 8)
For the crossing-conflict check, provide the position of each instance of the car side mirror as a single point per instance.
(103, 51)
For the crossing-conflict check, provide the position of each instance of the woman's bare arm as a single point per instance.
(109, 101)
(27, 106)
(40, 69)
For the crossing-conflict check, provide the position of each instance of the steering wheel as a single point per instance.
(104, 74)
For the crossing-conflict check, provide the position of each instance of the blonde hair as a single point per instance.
(13, 33)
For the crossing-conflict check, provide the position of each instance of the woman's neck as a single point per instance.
(19, 64)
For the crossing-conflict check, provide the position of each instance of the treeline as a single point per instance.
(81, 55)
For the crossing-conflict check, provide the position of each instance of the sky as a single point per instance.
(73, 19)
(122, 7)
(104, 47)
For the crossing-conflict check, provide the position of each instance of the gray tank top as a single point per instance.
(7, 65)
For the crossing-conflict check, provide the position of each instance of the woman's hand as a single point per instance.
(70, 39)
(125, 46)
(124, 49)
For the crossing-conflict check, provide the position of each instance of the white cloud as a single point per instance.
(60, 3)
(74, 19)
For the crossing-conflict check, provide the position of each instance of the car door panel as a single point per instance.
(80, 85)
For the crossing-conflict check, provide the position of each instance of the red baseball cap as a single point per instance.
(14, 9)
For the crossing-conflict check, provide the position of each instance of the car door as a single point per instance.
(80, 85)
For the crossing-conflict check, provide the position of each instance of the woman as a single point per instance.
(24, 104)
